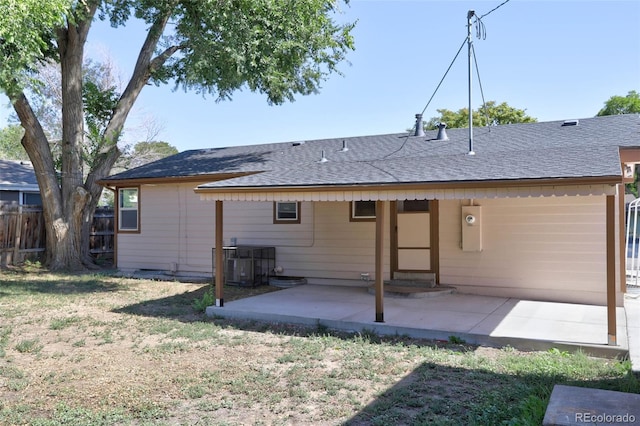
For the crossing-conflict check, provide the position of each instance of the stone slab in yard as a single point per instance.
(571, 405)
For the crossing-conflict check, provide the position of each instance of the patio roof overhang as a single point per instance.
(608, 186)
(417, 191)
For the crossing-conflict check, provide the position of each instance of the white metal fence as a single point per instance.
(633, 244)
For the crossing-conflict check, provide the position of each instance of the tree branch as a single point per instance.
(141, 74)
(37, 146)
(144, 68)
(85, 21)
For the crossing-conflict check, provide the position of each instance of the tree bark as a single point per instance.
(64, 198)
(36, 144)
(74, 195)
(69, 203)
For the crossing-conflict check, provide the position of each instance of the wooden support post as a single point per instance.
(219, 260)
(380, 210)
(611, 270)
(622, 240)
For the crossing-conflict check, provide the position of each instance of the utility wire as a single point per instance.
(495, 8)
(484, 103)
(444, 76)
(430, 99)
(481, 33)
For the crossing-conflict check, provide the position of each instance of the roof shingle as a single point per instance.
(507, 152)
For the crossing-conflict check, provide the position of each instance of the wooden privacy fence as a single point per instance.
(101, 240)
(22, 233)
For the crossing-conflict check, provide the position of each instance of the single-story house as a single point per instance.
(531, 211)
(18, 183)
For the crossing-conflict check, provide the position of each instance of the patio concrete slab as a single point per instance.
(491, 321)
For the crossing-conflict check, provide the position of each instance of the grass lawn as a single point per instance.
(99, 350)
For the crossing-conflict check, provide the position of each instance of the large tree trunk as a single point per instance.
(69, 204)
(64, 199)
(74, 196)
(36, 144)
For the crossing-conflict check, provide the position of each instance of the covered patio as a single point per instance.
(484, 320)
(478, 319)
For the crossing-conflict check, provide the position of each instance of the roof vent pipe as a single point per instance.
(345, 148)
(442, 132)
(323, 159)
(419, 129)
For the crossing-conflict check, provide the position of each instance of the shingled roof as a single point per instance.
(548, 150)
(17, 176)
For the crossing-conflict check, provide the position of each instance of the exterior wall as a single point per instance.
(324, 247)
(176, 227)
(545, 248)
(541, 248)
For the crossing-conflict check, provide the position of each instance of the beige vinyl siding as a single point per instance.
(547, 248)
(324, 246)
(175, 228)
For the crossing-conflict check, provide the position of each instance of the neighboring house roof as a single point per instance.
(17, 176)
(531, 151)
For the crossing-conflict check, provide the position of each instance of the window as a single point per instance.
(363, 211)
(10, 196)
(286, 212)
(413, 206)
(128, 209)
(31, 198)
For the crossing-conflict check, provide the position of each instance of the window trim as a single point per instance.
(120, 209)
(352, 213)
(277, 220)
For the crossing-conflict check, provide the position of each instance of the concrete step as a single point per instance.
(414, 276)
(411, 283)
(413, 292)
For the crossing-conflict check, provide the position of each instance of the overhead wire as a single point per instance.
(445, 75)
(484, 103)
(495, 8)
(431, 98)
(481, 33)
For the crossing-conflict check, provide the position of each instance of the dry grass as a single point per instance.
(100, 350)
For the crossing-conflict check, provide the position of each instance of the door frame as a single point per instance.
(434, 233)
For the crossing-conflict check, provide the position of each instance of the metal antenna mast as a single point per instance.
(470, 15)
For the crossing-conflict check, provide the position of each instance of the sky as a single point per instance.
(557, 60)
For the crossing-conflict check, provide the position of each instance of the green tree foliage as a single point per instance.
(629, 104)
(490, 114)
(99, 104)
(26, 37)
(277, 48)
(10, 146)
(147, 152)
